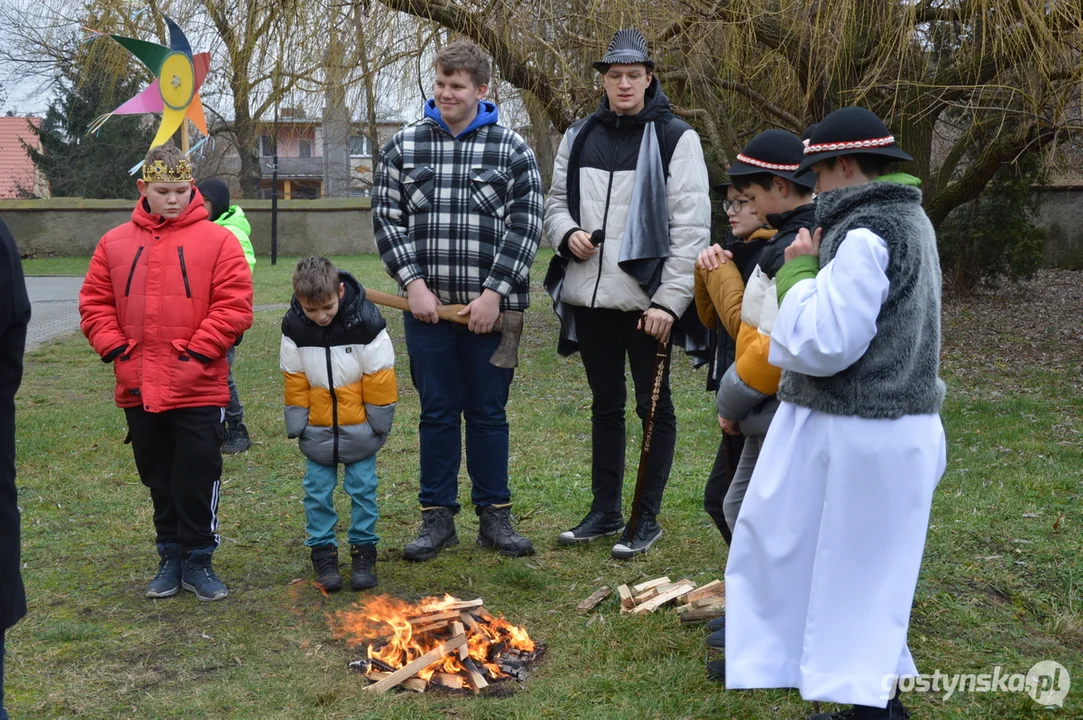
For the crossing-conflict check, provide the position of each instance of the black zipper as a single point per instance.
(131, 273)
(184, 273)
(334, 397)
(605, 214)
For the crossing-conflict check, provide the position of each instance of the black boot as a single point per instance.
(362, 567)
(495, 530)
(168, 580)
(893, 711)
(237, 439)
(437, 532)
(325, 563)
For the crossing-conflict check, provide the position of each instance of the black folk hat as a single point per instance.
(775, 152)
(849, 131)
(628, 47)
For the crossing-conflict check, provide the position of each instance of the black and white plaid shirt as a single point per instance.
(463, 214)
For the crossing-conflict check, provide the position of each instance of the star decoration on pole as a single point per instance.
(177, 98)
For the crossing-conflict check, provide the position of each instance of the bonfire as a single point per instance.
(445, 641)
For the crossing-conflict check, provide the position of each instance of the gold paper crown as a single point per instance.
(158, 171)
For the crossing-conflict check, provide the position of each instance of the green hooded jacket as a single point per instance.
(234, 220)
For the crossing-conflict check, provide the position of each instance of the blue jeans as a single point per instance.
(359, 482)
(450, 368)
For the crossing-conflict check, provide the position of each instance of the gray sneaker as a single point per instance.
(437, 532)
(495, 530)
(168, 580)
(237, 439)
(198, 577)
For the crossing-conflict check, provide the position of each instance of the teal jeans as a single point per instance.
(359, 482)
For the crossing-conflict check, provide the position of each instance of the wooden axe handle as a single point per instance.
(449, 313)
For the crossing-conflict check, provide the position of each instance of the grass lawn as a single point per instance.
(1001, 583)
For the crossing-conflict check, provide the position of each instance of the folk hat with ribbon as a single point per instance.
(628, 47)
(849, 131)
(776, 152)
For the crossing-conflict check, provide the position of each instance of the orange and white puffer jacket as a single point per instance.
(340, 386)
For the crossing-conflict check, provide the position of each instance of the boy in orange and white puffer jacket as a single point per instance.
(338, 366)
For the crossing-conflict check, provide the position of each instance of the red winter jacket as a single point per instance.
(164, 300)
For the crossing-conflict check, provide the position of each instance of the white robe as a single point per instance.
(828, 543)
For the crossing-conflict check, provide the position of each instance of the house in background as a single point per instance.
(18, 175)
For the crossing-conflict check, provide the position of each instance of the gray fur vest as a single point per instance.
(897, 375)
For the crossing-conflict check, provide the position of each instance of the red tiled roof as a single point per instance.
(16, 167)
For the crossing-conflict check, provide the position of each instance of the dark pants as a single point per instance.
(179, 457)
(450, 368)
(606, 337)
(234, 411)
(718, 482)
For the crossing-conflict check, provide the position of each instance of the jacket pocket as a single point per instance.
(417, 188)
(128, 368)
(488, 192)
(190, 376)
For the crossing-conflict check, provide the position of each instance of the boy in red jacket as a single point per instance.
(166, 296)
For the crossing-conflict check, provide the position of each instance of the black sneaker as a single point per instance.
(198, 577)
(716, 670)
(362, 567)
(646, 533)
(595, 525)
(237, 439)
(495, 530)
(325, 565)
(437, 532)
(719, 623)
(168, 580)
(717, 640)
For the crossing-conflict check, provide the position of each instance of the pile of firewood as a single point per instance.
(694, 604)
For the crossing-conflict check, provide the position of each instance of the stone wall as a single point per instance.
(1062, 216)
(73, 226)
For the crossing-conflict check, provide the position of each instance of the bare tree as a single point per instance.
(967, 85)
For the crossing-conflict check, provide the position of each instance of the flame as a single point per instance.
(383, 623)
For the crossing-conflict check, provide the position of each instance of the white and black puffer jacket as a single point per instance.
(606, 166)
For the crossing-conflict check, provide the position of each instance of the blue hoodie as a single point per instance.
(487, 115)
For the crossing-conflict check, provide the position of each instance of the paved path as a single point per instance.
(54, 301)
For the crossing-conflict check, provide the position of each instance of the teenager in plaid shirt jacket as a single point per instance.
(457, 215)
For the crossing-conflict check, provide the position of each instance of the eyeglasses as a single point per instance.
(734, 206)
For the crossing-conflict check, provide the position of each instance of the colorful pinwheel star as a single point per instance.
(178, 75)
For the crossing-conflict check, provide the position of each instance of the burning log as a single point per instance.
(456, 605)
(427, 619)
(416, 666)
(415, 683)
(474, 678)
(592, 602)
(447, 680)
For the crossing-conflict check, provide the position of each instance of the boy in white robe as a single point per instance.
(828, 545)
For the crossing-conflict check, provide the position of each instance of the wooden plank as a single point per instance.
(469, 621)
(626, 601)
(447, 680)
(457, 605)
(596, 597)
(482, 613)
(706, 601)
(702, 614)
(670, 586)
(429, 619)
(458, 629)
(411, 669)
(685, 608)
(711, 589)
(645, 596)
(475, 679)
(657, 602)
(431, 628)
(415, 683)
(647, 585)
